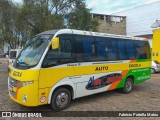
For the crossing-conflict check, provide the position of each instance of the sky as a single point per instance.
(112, 6)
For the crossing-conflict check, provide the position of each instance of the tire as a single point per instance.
(128, 86)
(153, 70)
(61, 99)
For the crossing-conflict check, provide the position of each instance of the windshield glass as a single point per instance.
(31, 54)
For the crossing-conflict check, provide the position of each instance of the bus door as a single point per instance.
(56, 67)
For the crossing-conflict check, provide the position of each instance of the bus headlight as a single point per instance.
(22, 84)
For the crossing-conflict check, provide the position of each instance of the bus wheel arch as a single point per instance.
(61, 97)
(69, 87)
(131, 77)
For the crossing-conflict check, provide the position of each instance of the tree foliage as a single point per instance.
(18, 22)
(81, 18)
(9, 24)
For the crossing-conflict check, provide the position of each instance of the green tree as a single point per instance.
(39, 13)
(81, 18)
(18, 22)
(8, 30)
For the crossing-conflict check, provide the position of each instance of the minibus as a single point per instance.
(62, 65)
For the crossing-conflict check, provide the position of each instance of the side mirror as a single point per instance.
(55, 43)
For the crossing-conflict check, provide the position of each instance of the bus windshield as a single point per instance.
(31, 54)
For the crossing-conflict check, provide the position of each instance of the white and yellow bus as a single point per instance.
(61, 65)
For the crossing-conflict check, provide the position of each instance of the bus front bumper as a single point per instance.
(26, 95)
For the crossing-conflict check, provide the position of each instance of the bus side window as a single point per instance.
(83, 48)
(78, 48)
(121, 48)
(87, 43)
(130, 49)
(142, 50)
(65, 48)
(101, 49)
(147, 49)
(112, 49)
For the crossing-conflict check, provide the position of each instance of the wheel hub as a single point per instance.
(62, 100)
(128, 85)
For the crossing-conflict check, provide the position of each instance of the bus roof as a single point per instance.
(49, 32)
(81, 32)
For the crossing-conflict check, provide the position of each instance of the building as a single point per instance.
(111, 24)
(140, 19)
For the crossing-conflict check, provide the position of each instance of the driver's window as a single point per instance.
(59, 56)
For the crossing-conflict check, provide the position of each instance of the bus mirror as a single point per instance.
(55, 43)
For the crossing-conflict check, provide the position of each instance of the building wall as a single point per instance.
(111, 24)
(140, 19)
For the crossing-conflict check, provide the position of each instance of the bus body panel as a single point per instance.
(78, 76)
(24, 75)
(63, 82)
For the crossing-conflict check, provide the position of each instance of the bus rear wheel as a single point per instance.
(128, 86)
(61, 99)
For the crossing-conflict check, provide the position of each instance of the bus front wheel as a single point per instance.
(128, 86)
(61, 99)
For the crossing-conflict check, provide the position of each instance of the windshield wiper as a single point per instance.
(23, 63)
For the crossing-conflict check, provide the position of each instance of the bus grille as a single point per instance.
(13, 82)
